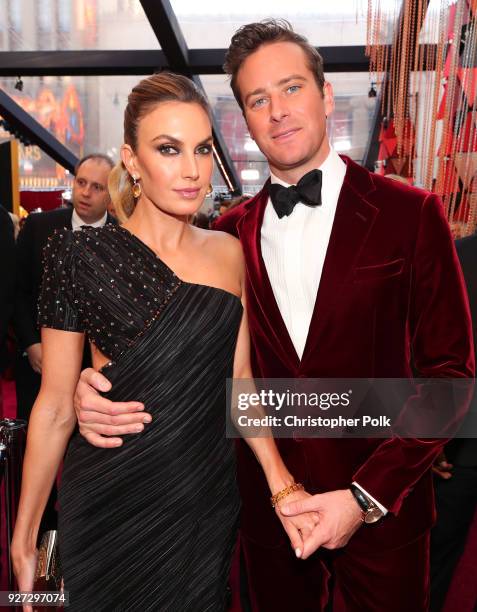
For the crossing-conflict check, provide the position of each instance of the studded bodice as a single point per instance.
(104, 282)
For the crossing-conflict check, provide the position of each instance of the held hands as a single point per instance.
(300, 527)
(338, 517)
(99, 418)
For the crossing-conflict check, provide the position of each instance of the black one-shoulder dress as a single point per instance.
(150, 525)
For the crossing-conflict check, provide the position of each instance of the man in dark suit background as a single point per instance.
(7, 291)
(456, 470)
(90, 199)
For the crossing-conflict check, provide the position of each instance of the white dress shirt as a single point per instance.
(294, 250)
(77, 222)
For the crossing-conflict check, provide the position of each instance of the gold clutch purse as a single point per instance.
(48, 576)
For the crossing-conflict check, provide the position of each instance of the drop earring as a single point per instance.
(136, 188)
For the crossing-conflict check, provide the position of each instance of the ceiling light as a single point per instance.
(251, 145)
(250, 174)
(342, 145)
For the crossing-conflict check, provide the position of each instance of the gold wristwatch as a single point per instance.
(371, 513)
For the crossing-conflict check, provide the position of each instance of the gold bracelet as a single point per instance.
(296, 486)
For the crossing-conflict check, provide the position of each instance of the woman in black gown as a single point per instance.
(150, 525)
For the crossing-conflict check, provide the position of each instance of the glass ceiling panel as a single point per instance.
(84, 113)
(349, 125)
(211, 23)
(48, 25)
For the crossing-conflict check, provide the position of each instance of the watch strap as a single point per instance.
(371, 512)
(363, 501)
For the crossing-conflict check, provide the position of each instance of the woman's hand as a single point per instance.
(24, 567)
(298, 527)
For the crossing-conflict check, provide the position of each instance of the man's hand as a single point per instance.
(99, 417)
(339, 517)
(442, 467)
(34, 354)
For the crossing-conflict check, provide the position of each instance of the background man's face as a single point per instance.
(285, 109)
(90, 190)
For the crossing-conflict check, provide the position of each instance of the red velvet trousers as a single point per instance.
(392, 581)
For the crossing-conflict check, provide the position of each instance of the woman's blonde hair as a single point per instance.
(145, 96)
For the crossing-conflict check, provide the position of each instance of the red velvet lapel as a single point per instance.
(353, 221)
(249, 229)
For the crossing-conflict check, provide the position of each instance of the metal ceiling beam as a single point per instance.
(169, 34)
(165, 26)
(34, 132)
(132, 62)
(80, 63)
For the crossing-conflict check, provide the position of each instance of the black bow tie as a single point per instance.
(307, 190)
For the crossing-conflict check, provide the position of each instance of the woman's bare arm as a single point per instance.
(51, 424)
(264, 448)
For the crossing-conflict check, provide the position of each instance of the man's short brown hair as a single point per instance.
(252, 36)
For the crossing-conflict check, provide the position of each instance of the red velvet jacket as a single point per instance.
(391, 285)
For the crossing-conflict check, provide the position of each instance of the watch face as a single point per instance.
(373, 515)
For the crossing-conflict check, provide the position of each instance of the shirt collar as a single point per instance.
(77, 221)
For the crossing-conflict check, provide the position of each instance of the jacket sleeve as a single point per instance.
(24, 320)
(440, 336)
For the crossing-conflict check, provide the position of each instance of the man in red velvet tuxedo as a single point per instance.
(349, 274)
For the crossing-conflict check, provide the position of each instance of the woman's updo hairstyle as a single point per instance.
(148, 93)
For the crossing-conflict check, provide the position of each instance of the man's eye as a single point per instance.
(98, 187)
(259, 102)
(167, 150)
(293, 88)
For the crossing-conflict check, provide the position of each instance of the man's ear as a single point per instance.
(328, 98)
(129, 160)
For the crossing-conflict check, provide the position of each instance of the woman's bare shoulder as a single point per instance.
(227, 242)
(221, 243)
